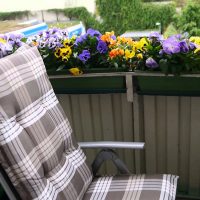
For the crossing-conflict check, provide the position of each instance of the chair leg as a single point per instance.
(7, 186)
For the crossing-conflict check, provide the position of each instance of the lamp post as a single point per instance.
(158, 24)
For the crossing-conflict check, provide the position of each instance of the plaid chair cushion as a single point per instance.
(37, 149)
(137, 187)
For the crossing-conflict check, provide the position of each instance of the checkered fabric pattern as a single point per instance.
(134, 187)
(37, 149)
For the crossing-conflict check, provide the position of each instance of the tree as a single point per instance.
(189, 19)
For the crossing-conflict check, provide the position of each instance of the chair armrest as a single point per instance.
(112, 144)
(107, 153)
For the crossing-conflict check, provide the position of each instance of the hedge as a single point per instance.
(13, 15)
(123, 15)
(189, 19)
(134, 15)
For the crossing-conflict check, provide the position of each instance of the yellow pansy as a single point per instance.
(129, 54)
(57, 53)
(140, 56)
(67, 43)
(75, 71)
(140, 44)
(2, 41)
(65, 58)
(67, 51)
(197, 50)
(196, 40)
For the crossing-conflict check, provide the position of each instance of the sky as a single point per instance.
(19, 5)
(32, 5)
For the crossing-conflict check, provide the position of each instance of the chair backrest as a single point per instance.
(37, 149)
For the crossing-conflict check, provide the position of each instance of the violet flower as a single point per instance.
(156, 35)
(171, 46)
(53, 43)
(93, 32)
(102, 47)
(80, 39)
(84, 56)
(192, 45)
(151, 63)
(5, 49)
(2, 50)
(184, 46)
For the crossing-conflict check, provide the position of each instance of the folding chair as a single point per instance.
(39, 156)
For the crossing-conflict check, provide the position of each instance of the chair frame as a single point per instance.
(106, 146)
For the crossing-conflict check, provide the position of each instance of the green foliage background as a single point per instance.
(13, 15)
(189, 19)
(123, 15)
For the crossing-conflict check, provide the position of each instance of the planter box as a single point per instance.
(159, 84)
(89, 83)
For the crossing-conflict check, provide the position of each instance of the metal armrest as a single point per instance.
(107, 153)
(112, 144)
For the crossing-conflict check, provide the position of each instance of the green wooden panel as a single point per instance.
(168, 85)
(89, 85)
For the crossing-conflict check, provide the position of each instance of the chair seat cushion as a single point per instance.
(133, 187)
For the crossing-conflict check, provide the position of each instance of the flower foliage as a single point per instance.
(176, 54)
(54, 47)
(9, 43)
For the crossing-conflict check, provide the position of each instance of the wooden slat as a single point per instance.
(184, 143)
(172, 134)
(106, 106)
(65, 101)
(86, 121)
(161, 126)
(138, 124)
(194, 174)
(107, 116)
(150, 133)
(127, 130)
(76, 118)
(96, 117)
(118, 125)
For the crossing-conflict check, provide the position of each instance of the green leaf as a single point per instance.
(164, 66)
(24, 40)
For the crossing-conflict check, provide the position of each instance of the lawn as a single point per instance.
(11, 25)
(8, 26)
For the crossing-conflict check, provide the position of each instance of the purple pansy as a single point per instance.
(113, 37)
(5, 49)
(192, 45)
(102, 47)
(2, 50)
(171, 46)
(156, 35)
(151, 63)
(93, 32)
(80, 39)
(84, 56)
(13, 38)
(184, 46)
(52, 43)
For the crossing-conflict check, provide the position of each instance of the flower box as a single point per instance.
(159, 84)
(89, 83)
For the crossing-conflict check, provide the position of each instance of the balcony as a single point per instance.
(169, 125)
